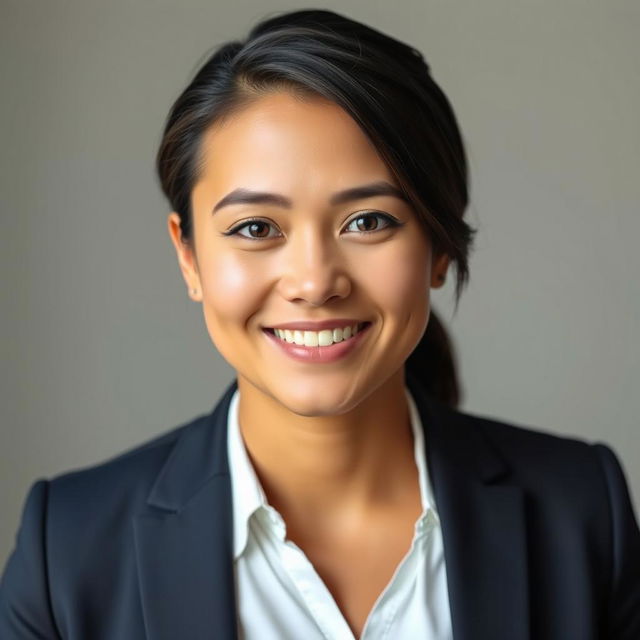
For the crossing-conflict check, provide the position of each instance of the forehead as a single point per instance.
(292, 143)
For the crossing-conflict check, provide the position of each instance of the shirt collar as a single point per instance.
(248, 495)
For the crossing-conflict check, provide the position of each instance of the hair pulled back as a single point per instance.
(387, 88)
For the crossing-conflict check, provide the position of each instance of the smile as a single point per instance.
(318, 346)
(323, 338)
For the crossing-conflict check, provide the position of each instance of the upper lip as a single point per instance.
(318, 325)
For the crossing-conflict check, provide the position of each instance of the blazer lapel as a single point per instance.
(483, 525)
(184, 538)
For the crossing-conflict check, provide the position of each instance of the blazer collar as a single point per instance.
(483, 524)
(448, 430)
(199, 455)
(185, 537)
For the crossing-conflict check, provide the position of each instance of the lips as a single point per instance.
(318, 355)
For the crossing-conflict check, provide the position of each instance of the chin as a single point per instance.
(313, 400)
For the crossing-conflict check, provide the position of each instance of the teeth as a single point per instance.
(322, 338)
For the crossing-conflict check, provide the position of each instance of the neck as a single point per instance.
(332, 468)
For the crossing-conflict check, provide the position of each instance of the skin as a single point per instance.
(331, 443)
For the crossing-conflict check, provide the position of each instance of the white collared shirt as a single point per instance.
(279, 594)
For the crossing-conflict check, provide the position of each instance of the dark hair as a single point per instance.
(386, 86)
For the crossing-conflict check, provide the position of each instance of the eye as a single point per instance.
(371, 216)
(253, 225)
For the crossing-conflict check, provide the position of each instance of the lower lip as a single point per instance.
(331, 353)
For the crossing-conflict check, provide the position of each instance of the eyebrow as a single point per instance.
(247, 196)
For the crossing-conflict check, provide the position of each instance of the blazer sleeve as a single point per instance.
(623, 621)
(25, 606)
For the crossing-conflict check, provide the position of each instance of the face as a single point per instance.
(262, 263)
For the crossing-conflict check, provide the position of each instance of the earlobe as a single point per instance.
(185, 255)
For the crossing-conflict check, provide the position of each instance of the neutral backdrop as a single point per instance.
(102, 349)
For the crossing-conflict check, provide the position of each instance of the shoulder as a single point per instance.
(545, 462)
(112, 489)
(77, 525)
(569, 484)
(517, 440)
(102, 498)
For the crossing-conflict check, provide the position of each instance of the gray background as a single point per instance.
(102, 348)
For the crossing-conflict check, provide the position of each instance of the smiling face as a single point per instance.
(366, 259)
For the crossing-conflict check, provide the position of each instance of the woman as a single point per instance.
(318, 183)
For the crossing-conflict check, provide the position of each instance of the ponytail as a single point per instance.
(433, 363)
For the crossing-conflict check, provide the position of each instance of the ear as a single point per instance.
(439, 266)
(186, 258)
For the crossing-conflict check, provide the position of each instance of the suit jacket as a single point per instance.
(539, 534)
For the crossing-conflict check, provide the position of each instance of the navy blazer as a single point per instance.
(540, 538)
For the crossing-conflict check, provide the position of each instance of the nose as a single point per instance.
(313, 270)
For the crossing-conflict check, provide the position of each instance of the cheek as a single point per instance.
(231, 290)
(398, 279)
